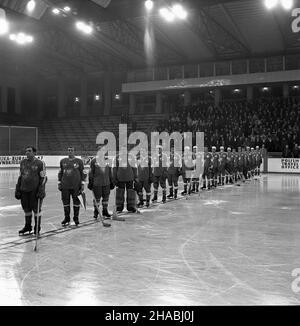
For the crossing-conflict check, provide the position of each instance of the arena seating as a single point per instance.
(272, 123)
(56, 135)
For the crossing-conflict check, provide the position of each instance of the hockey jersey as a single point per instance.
(144, 173)
(31, 174)
(123, 174)
(100, 176)
(71, 173)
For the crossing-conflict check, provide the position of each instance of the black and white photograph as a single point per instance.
(149, 156)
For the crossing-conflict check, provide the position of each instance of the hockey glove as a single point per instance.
(59, 187)
(41, 194)
(18, 193)
(112, 186)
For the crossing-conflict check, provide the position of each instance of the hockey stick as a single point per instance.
(137, 210)
(38, 218)
(240, 177)
(105, 224)
(115, 216)
(227, 174)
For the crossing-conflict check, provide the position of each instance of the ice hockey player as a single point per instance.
(159, 176)
(173, 171)
(235, 158)
(252, 162)
(207, 170)
(144, 176)
(243, 164)
(30, 188)
(124, 175)
(100, 183)
(222, 166)
(71, 179)
(247, 163)
(258, 160)
(187, 171)
(229, 166)
(215, 166)
(195, 180)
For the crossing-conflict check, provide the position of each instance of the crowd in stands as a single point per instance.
(271, 123)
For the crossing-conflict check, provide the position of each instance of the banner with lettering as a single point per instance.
(284, 165)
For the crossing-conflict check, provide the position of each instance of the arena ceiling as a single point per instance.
(214, 30)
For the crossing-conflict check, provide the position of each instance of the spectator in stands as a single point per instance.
(296, 151)
(134, 125)
(123, 119)
(286, 153)
(269, 122)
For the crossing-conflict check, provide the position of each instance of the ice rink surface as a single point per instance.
(230, 246)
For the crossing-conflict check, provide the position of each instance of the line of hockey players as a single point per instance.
(132, 180)
(231, 166)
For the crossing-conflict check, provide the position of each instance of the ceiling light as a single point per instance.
(179, 11)
(149, 4)
(30, 5)
(270, 4)
(167, 14)
(287, 4)
(87, 29)
(4, 27)
(21, 38)
(55, 11)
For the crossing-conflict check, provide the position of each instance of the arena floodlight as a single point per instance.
(21, 38)
(149, 5)
(167, 14)
(67, 9)
(55, 11)
(97, 97)
(270, 4)
(179, 11)
(29, 39)
(4, 26)
(287, 4)
(83, 27)
(30, 5)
